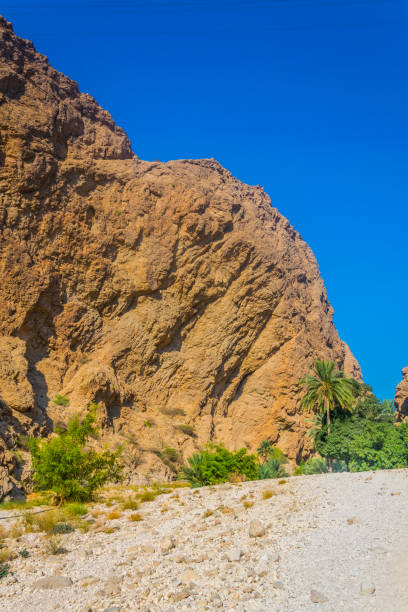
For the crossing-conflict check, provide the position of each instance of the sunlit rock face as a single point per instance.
(170, 293)
(401, 396)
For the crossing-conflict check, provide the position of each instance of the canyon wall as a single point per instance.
(172, 294)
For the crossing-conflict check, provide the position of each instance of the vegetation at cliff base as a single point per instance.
(353, 430)
(62, 464)
(216, 464)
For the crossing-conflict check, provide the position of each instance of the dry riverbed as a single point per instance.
(332, 542)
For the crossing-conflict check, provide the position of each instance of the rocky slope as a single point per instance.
(332, 542)
(171, 293)
(401, 396)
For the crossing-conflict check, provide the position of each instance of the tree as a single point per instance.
(63, 465)
(327, 388)
(264, 449)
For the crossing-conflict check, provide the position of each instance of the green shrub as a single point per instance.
(75, 509)
(170, 457)
(217, 465)
(61, 400)
(314, 465)
(62, 464)
(24, 553)
(148, 424)
(4, 570)
(62, 528)
(268, 451)
(271, 469)
(365, 444)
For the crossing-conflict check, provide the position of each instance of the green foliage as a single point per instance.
(217, 465)
(272, 468)
(4, 570)
(327, 389)
(148, 424)
(62, 528)
(314, 465)
(24, 553)
(63, 465)
(61, 400)
(366, 440)
(75, 509)
(170, 457)
(267, 451)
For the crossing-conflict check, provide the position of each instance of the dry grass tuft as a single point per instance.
(248, 504)
(268, 493)
(131, 504)
(148, 496)
(282, 481)
(208, 513)
(113, 515)
(53, 546)
(135, 517)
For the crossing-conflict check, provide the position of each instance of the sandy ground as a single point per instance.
(340, 539)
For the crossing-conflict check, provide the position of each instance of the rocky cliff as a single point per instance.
(171, 293)
(401, 396)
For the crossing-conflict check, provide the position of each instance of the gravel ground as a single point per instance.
(332, 542)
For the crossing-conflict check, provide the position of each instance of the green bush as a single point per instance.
(314, 465)
(61, 400)
(4, 569)
(63, 465)
(272, 468)
(268, 451)
(368, 439)
(75, 509)
(217, 465)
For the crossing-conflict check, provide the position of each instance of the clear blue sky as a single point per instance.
(308, 98)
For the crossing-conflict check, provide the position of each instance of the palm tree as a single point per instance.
(265, 449)
(327, 388)
(316, 424)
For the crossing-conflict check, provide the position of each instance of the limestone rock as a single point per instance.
(317, 597)
(256, 529)
(53, 582)
(367, 588)
(15, 389)
(401, 396)
(170, 293)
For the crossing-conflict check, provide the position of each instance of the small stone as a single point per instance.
(113, 609)
(269, 558)
(166, 544)
(53, 582)
(146, 548)
(187, 576)
(317, 597)
(396, 493)
(256, 529)
(277, 584)
(181, 595)
(235, 554)
(367, 588)
(111, 588)
(352, 521)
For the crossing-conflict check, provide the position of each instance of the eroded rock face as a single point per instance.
(170, 293)
(401, 396)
